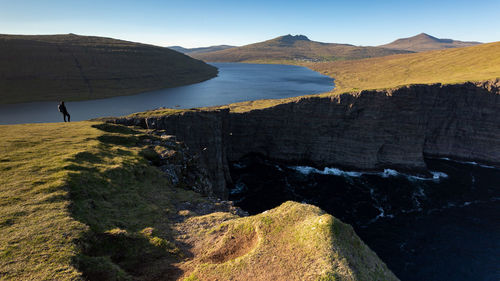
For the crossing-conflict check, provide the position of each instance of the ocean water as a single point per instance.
(235, 82)
(441, 226)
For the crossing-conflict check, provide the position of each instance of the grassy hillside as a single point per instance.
(72, 67)
(80, 201)
(424, 42)
(77, 200)
(291, 242)
(481, 62)
(192, 51)
(294, 48)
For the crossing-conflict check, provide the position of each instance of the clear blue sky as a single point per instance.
(202, 23)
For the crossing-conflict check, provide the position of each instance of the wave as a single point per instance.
(469, 163)
(306, 170)
(239, 165)
(239, 188)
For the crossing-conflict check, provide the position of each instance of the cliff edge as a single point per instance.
(106, 202)
(367, 130)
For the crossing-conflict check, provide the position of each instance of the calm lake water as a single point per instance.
(236, 82)
(444, 227)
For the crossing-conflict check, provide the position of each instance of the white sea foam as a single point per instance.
(438, 175)
(239, 165)
(389, 173)
(470, 163)
(338, 172)
(306, 170)
(382, 214)
(239, 188)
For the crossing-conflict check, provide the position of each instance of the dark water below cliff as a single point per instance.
(442, 227)
(236, 82)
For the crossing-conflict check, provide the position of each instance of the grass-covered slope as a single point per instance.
(192, 51)
(72, 67)
(80, 201)
(290, 48)
(481, 62)
(291, 242)
(425, 42)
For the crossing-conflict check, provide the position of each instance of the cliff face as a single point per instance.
(368, 130)
(72, 67)
(204, 133)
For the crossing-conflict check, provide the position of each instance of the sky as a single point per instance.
(204, 23)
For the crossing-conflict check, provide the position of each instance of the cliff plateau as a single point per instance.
(367, 130)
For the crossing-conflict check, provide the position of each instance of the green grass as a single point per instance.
(37, 233)
(159, 112)
(78, 200)
(291, 242)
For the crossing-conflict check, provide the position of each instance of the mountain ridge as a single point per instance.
(294, 48)
(200, 49)
(424, 42)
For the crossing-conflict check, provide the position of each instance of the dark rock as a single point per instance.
(369, 130)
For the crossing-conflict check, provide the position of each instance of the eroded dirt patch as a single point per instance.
(233, 245)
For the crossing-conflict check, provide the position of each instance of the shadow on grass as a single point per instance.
(125, 203)
(111, 128)
(118, 140)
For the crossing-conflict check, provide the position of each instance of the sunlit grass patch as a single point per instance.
(449, 66)
(65, 191)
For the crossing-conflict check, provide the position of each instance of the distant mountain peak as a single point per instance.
(425, 42)
(290, 39)
(424, 35)
(295, 37)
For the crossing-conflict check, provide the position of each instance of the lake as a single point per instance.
(236, 82)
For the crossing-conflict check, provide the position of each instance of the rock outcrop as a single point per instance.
(369, 130)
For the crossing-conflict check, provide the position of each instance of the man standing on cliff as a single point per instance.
(64, 111)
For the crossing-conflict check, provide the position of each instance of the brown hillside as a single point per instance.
(201, 49)
(424, 42)
(294, 48)
(73, 67)
(448, 66)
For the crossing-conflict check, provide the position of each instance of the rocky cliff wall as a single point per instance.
(369, 130)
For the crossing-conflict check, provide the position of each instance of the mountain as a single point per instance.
(425, 42)
(456, 65)
(201, 49)
(73, 67)
(295, 48)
